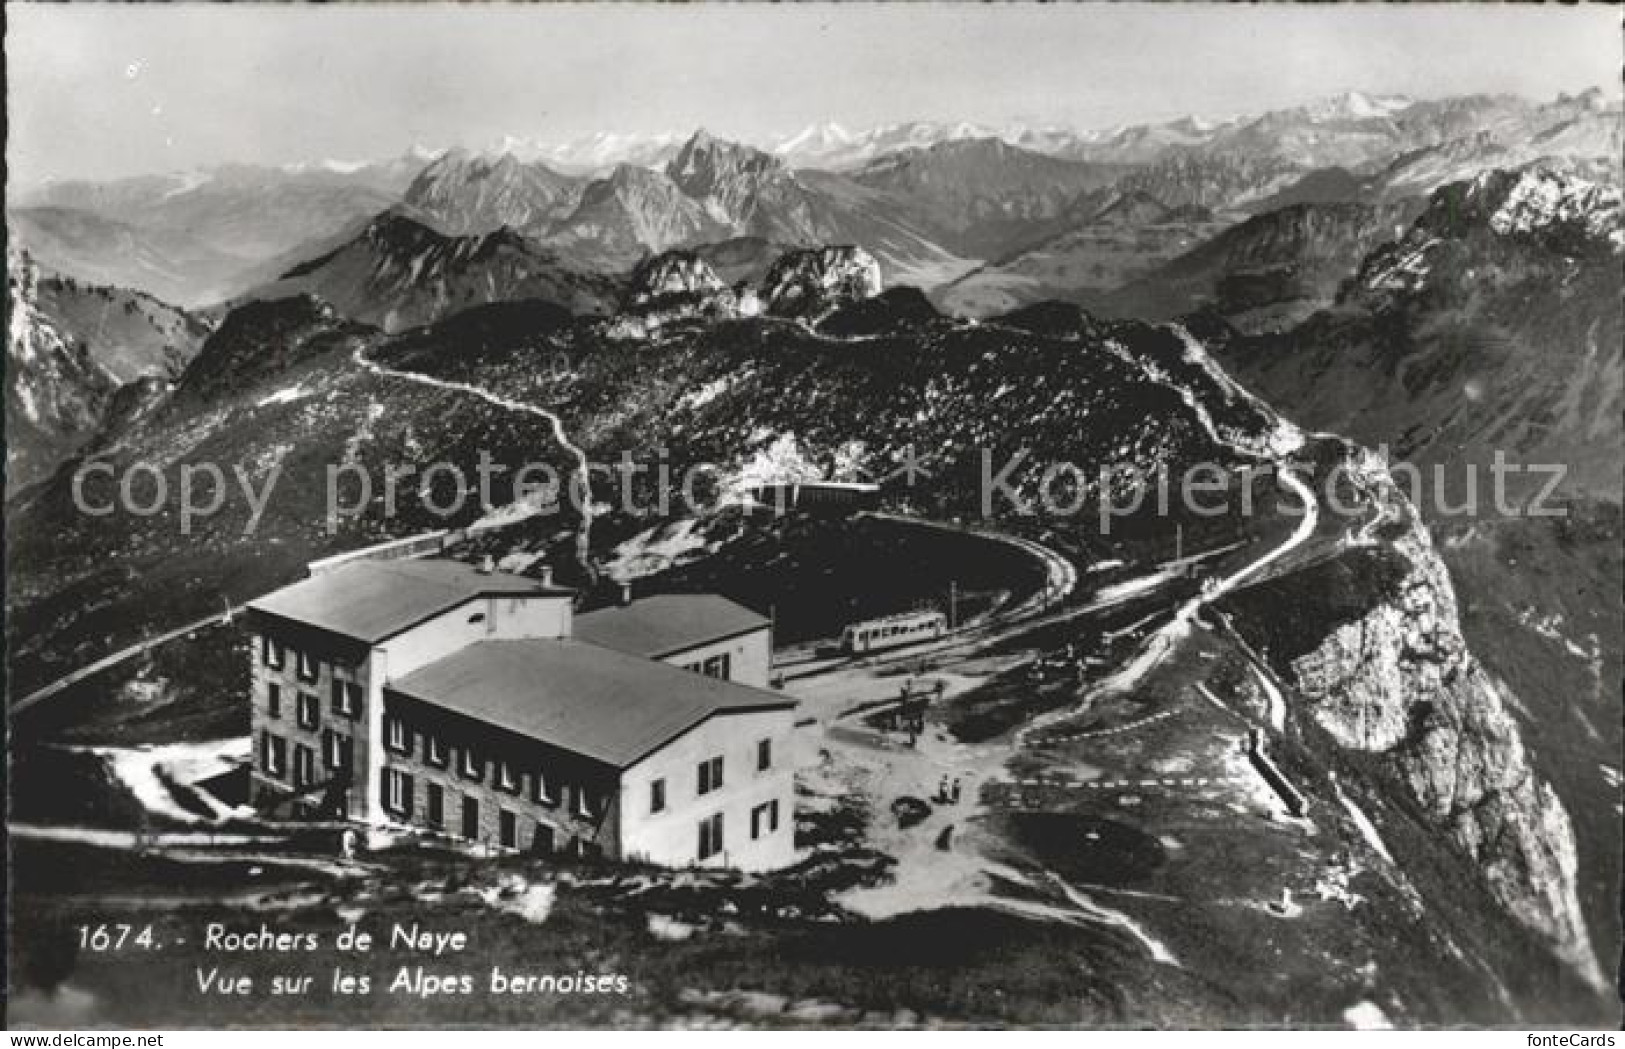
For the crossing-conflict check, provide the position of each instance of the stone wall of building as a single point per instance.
(579, 807)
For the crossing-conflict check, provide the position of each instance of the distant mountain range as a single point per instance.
(193, 238)
(709, 190)
(1259, 219)
(931, 200)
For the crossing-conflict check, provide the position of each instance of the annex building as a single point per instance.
(481, 705)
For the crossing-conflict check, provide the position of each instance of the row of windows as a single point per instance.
(274, 654)
(308, 709)
(347, 695)
(400, 739)
(708, 776)
(400, 798)
(896, 630)
(338, 752)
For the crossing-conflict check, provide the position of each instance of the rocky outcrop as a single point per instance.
(1399, 681)
(56, 391)
(810, 284)
(675, 273)
(70, 345)
(672, 287)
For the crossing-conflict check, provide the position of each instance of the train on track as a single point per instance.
(902, 628)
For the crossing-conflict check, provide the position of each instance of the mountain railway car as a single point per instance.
(903, 628)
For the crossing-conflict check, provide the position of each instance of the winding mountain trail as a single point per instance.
(1163, 641)
(582, 473)
(583, 535)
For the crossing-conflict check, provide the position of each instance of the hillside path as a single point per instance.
(582, 471)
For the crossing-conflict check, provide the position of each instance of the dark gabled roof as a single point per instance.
(374, 600)
(665, 623)
(604, 705)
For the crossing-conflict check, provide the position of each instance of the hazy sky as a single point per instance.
(97, 91)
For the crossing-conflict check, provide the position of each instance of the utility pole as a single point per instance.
(1179, 541)
(953, 604)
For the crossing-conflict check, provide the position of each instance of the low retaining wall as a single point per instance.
(1296, 804)
(395, 549)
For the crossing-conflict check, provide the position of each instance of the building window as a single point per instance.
(657, 796)
(273, 755)
(397, 792)
(437, 805)
(307, 667)
(271, 653)
(273, 700)
(710, 775)
(472, 765)
(435, 751)
(764, 755)
(710, 836)
(337, 750)
(583, 806)
(764, 819)
(507, 829)
(543, 842)
(304, 766)
(541, 792)
(346, 699)
(718, 666)
(397, 736)
(310, 711)
(471, 818)
(507, 778)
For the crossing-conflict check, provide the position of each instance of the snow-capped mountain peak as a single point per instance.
(1358, 105)
(814, 137)
(596, 153)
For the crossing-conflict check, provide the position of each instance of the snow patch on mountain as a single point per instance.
(1542, 199)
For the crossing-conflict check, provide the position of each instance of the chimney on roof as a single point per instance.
(547, 575)
(487, 565)
(626, 594)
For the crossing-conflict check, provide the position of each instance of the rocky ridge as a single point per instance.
(678, 286)
(812, 283)
(1399, 681)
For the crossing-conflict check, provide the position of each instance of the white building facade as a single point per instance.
(480, 706)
